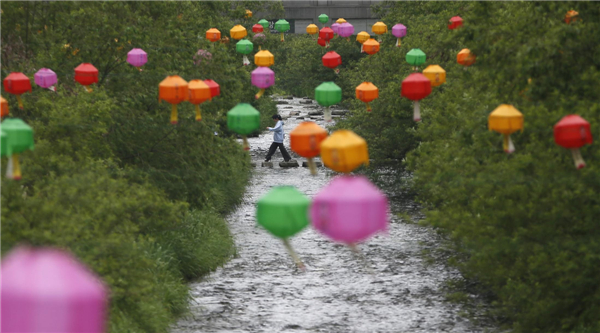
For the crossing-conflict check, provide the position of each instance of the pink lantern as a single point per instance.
(345, 30)
(263, 78)
(399, 31)
(335, 28)
(349, 210)
(137, 58)
(48, 290)
(46, 78)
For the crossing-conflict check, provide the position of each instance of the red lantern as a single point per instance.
(86, 74)
(327, 34)
(455, 23)
(215, 90)
(321, 42)
(331, 59)
(573, 132)
(416, 87)
(257, 28)
(17, 84)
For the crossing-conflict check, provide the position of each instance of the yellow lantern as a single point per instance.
(238, 32)
(344, 151)
(506, 119)
(362, 37)
(312, 29)
(264, 58)
(248, 13)
(379, 28)
(340, 21)
(435, 74)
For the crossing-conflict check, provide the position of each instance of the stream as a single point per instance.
(261, 290)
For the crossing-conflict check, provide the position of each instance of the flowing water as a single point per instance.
(261, 290)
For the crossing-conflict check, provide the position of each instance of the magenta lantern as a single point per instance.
(399, 31)
(137, 58)
(345, 30)
(46, 78)
(349, 210)
(335, 28)
(416, 87)
(49, 290)
(262, 78)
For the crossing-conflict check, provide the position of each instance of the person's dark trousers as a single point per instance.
(273, 148)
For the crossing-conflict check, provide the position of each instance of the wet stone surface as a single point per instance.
(261, 290)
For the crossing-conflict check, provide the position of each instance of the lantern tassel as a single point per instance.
(579, 162)
(361, 256)
(259, 48)
(246, 145)
(139, 69)
(361, 49)
(9, 168)
(88, 89)
(52, 88)
(337, 71)
(14, 168)
(398, 43)
(174, 114)
(348, 39)
(417, 112)
(312, 166)
(368, 107)
(20, 102)
(245, 61)
(327, 114)
(507, 144)
(198, 114)
(282, 37)
(327, 44)
(260, 93)
(293, 254)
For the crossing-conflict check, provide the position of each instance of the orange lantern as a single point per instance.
(238, 32)
(248, 13)
(571, 16)
(379, 28)
(367, 92)
(173, 90)
(371, 46)
(213, 35)
(199, 92)
(465, 57)
(306, 140)
(4, 109)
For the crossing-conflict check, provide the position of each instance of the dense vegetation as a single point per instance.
(524, 225)
(139, 200)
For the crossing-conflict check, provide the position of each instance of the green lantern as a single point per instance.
(20, 139)
(416, 57)
(244, 47)
(328, 94)
(4, 145)
(264, 23)
(282, 26)
(243, 119)
(323, 18)
(284, 212)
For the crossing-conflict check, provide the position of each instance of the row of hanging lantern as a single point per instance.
(174, 90)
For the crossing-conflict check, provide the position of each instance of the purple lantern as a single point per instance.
(259, 39)
(399, 30)
(263, 78)
(349, 210)
(48, 290)
(335, 28)
(201, 54)
(137, 58)
(345, 30)
(46, 78)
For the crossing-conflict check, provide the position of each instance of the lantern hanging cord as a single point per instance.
(293, 254)
(174, 114)
(198, 114)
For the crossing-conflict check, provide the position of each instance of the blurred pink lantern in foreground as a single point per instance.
(345, 30)
(137, 58)
(48, 290)
(46, 78)
(202, 55)
(262, 78)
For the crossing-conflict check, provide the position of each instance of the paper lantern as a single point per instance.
(282, 26)
(59, 294)
(323, 18)
(262, 78)
(326, 34)
(571, 16)
(341, 20)
(248, 14)
(312, 29)
(416, 87)
(17, 84)
(257, 28)
(349, 210)
(202, 55)
(306, 140)
(371, 46)
(86, 74)
(283, 212)
(505, 119)
(173, 90)
(435, 74)
(46, 78)
(344, 151)
(4, 107)
(264, 58)
(465, 57)
(259, 39)
(243, 119)
(379, 28)
(244, 47)
(137, 58)
(367, 92)
(4, 144)
(362, 37)
(455, 23)
(328, 94)
(321, 42)
(331, 60)
(416, 58)
(573, 132)
(238, 32)
(335, 28)
(399, 31)
(213, 35)
(264, 23)
(215, 89)
(199, 92)
(346, 30)
(20, 139)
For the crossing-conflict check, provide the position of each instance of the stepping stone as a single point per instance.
(282, 102)
(294, 113)
(290, 164)
(316, 113)
(338, 112)
(288, 97)
(253, 164)
(318, 164)
(267, 164)
(306, 101)
(299, 117)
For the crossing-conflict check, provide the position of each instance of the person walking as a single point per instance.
(277, 140)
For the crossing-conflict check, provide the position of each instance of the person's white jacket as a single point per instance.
(277, 131)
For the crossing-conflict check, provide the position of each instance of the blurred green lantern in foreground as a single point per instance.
(282, 26)
(284, 212)
(243, 119)
(328, 94)
(19, 138)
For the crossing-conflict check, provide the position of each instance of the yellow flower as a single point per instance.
(66, 46)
